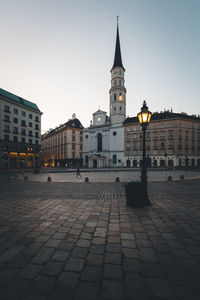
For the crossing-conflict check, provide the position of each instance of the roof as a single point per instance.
(117, 57)
(163, 116)
(72, 123)
(18, 99)
(99, 112)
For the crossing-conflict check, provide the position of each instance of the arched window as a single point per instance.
(115, 97)
(99, 142)
(120, 97)
(114, 159)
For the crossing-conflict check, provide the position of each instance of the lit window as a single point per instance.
(98, 119)
(120, 97)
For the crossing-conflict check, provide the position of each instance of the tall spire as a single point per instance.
(117, 57)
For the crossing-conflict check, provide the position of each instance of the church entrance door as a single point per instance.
(94, 163)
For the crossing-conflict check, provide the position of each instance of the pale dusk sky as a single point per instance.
(59, 54)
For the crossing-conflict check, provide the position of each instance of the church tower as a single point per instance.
(117, 90)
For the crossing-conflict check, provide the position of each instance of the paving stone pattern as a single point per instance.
(81, 241)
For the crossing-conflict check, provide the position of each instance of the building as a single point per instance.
(172, 139)
(63, 146)
(103, 141)
(20, 132)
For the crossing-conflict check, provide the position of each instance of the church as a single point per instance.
(103, 141)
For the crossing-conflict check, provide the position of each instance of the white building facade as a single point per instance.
(103, 141)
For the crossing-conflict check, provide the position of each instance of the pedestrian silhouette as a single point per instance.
(78, 172)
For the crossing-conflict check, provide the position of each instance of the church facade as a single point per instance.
(103, 141)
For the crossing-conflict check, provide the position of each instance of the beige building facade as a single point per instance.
(172, 140)
(20, 132)
(63, 146)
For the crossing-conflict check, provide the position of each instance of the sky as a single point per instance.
(58, 54)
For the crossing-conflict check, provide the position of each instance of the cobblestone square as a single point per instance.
(77, 240)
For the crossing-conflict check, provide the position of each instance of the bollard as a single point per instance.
(49, 178)
(86, 179)
(117, 179)
(25, 177)
(169, 178)
(182, 177)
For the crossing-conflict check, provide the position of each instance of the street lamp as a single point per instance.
(144, 118)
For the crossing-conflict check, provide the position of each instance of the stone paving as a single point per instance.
(81, 241)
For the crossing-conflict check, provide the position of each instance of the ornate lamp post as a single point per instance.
(144, 118)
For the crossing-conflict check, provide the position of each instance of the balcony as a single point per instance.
(6, 120)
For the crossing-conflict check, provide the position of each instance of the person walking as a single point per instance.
(78, 172)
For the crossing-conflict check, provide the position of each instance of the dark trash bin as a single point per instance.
(136, 194)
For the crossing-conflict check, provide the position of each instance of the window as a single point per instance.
(73, 131)
(155, 152)
(128, 145)
(7, 118)
(134, 152)
(7, 128)
(30, 133)
(114, 159)
(23, 132)
(86, 136)
(73, 138)
(37, 136)
(23, 114)
(81, 139)
(170, 151)
(6, 137)
(73, 146)
(16, 111)
(37, 126)
(73, 155)
(98, 119)
(162, 133)
(15, 120)
(120, 82)
(36, 141)
(155, 134)
(15, 130)
(23, 140)
(81, 147)
(15, 139)
(162, 152)
(128, 137)
(30, 116)
(23, 123)
(36, 119)
(170, 125)
(135, 128)
(120, 97)
(30, 141)
(114, 133)
(99, 142)
(162, 125)
(7, 108)
(115, 97)
(135, 136)
(115, 82)
(170, 142)
(30, 124)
